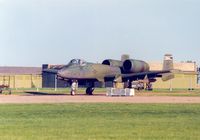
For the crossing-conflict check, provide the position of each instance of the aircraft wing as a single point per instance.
(166, 75)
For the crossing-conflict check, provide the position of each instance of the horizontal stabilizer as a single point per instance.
(167, 76)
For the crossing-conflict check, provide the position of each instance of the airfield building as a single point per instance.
(21, 77)
(186, 79)
(49, 80)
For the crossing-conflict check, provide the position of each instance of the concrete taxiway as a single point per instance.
(37, 99)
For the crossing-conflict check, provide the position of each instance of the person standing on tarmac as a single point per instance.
(74, 87)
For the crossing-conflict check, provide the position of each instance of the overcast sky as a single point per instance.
(33, 32)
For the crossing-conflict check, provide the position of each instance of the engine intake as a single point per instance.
(111, 62)
(135, 66)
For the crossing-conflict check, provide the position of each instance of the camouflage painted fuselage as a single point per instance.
(89, 71)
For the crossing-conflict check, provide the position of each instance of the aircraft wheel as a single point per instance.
(89, 91)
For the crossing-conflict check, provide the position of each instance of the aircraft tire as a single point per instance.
(89, 91)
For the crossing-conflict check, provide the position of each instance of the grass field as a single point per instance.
(100, 122)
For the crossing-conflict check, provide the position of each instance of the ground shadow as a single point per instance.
(57, 94)
(42, 93)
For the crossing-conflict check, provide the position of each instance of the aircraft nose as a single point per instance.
(64, 73)
(60, 73)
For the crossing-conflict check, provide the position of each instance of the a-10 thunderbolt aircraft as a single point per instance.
(128, 71)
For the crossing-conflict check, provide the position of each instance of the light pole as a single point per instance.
(56, 82)
(170, 85)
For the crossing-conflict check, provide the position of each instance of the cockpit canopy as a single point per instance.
(77, 62)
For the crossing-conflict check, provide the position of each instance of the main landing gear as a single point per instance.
(149, 86)
(89, 90)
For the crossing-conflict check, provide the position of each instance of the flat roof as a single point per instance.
(20, 70)
(183, 66)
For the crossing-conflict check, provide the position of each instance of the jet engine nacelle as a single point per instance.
(111, 62)
(135, 66)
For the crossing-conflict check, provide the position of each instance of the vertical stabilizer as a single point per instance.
(124, 57)
(168, 62)
(168, 66)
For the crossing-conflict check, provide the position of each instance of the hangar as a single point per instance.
(49, 80)
(186, 79)
(21, 77)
